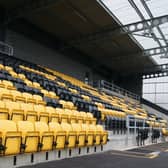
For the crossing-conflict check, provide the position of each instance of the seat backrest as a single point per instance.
(27, 107)
(37, 97)
(13, 105)
(92, 127)
(50, 109)
(99, 128)
(7, 125)
(41, 127)
(27, 95)
(16, 93)
(25, 126)
(66, 127)
(76, 127)
(39, 108)
(85, 127)
(53, 126)
(2, 104)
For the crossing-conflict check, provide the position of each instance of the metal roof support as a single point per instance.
(125, 29)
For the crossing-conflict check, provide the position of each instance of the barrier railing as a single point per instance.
(6, 49)
(102, 84)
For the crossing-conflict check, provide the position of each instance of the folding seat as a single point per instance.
(71, 116)
(13, 74)
(59, 135)
(10, 138)
(29, 98)
(1, 67)
(4, 112)
(17, 96)
(53, 114)
(1, 84)
(28, 83)
(90, 119)
(8, 68)
(8, 85)
(42, 114)
(63, 116)
(63, 103)
(30, 137)
(39, 99)
(71, 136)
(21, 76)
(15, 111)
(46, 136)
(5, 95)
(80, 118)
(29, 112)
(97, 134)
(81, 135)
(36, 85)
(89, 134)
(53, 95)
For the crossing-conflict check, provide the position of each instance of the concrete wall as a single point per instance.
(35, 52)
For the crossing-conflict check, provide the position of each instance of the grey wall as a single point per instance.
(32, 51)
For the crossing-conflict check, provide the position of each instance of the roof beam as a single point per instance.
(125, 29)
(29, 6)
(156, 71)
(145, 53)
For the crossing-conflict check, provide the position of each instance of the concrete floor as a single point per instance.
(139, 158)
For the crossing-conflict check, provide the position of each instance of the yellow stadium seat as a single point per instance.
(22, 76)
(70, 135)
(53, 115)
(36, 85)
(10, 138)
(89, 134)
(42, 114)
(91, 119)
(71, 117)
(104, 134)
(97, 134)
(5, 95)
(81, 135)
(39, 99)
(30, 137)
(29, 112)
(2, 67)
(63, 117)
(29, 98)
(46, 136)
(18, 97)
(15, 111)
(8, 68)
(59, 135)
(8, 85)
(4, 112)
(1, 84)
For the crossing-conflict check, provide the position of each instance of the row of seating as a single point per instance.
(28, 137)
(18, 111)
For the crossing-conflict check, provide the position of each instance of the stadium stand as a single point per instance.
(44, 110)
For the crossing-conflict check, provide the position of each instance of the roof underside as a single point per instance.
(68, 20)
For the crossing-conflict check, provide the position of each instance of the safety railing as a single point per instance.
(6, 49)
(102, 84)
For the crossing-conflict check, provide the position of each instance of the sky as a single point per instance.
(155, 89)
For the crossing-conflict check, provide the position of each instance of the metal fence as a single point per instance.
(102, 84)
(6, 49)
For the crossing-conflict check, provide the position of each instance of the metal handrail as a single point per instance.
(6, 48)
(112, 87)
